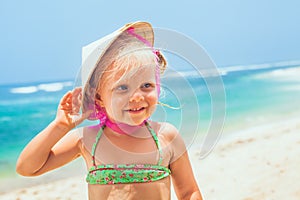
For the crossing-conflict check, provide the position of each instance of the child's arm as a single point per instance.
(183, 178)
(44, 153)
(185, 184)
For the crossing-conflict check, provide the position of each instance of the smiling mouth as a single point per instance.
(136, 110)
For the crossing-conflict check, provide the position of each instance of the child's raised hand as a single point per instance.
(68, 115)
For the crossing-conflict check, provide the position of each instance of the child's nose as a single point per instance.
(137, 96)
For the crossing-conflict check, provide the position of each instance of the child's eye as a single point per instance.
(147, 85)
(122, 88)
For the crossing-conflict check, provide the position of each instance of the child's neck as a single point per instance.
(122, 128)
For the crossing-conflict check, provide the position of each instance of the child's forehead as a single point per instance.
(133, 63)
(136, 72)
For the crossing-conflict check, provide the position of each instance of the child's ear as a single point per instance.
(98, 100)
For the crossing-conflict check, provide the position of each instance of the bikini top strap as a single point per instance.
(95, 144)
(154, 136)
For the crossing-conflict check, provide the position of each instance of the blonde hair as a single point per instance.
(125, 54)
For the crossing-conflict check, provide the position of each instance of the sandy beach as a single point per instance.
(261, 162)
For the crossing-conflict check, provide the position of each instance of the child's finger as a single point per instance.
(66, 98)
(76, 97)
(76, 100)
(78, 119)
(77, 90)
(66, 102)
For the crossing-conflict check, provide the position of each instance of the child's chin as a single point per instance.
(135, 122)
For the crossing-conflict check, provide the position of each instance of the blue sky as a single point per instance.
(42, 40)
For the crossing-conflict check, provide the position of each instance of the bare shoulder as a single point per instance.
(166, 130)
(171, 139)
(76, 138)
(72, 137)
(170, 134)
(88, 135)
(89, 132)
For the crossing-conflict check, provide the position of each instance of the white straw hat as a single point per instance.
(94, 54)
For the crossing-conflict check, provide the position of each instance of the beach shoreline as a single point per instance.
(255, 163)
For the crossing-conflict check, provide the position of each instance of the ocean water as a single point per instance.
(255, 94)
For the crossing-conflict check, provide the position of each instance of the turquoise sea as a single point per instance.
(255, 94)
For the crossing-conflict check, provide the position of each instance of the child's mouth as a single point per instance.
(136, 110)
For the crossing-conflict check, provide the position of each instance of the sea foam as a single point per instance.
(24, 90)
(289, 64)
(47, 87)
(283, 75)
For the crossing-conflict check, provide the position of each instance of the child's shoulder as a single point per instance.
(166, 129)
(87, 135)
(172, 139)
(89, 131)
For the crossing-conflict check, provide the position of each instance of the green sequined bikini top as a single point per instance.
(126, 173)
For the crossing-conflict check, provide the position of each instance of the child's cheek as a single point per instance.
(152, 98)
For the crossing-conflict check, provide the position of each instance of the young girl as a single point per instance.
(127, 155)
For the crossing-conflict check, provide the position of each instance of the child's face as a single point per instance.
(130, 97)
